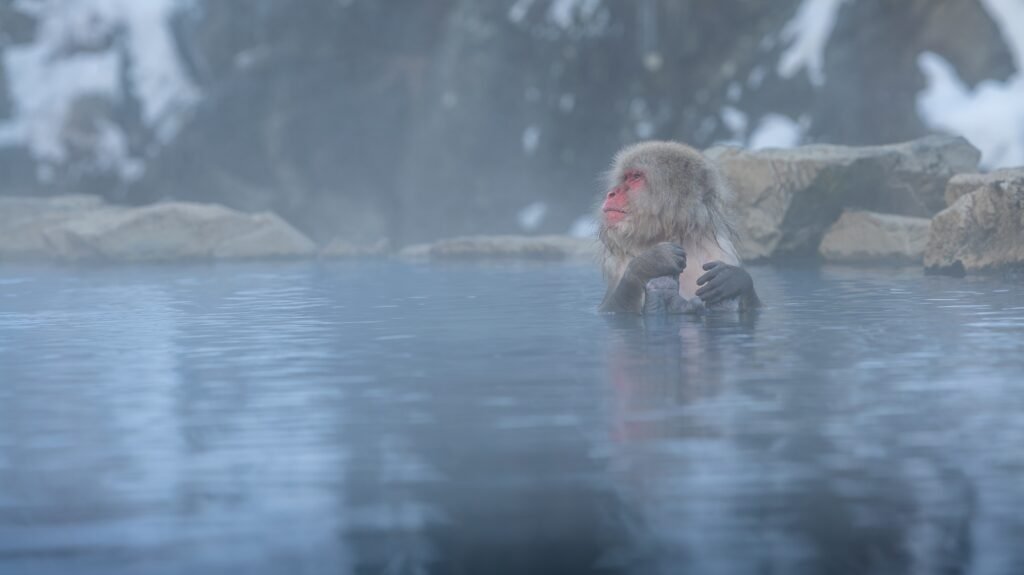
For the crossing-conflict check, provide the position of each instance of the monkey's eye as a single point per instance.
(633, 176)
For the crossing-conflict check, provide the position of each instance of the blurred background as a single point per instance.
(409, 120)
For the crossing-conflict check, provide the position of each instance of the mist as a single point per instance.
(411, 121)
(335, 286)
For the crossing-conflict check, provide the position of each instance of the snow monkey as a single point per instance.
(668, 244)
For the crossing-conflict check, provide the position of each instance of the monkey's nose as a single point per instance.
(611, 194)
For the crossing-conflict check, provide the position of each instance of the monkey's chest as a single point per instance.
(688, 280)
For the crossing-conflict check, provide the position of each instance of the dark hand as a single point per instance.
(724, 282)
(664, 259)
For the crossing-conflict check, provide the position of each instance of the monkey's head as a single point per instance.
(661, 191)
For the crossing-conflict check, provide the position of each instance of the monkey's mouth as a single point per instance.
(613, 216)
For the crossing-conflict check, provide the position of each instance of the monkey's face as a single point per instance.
(622, 197)
(660, 192)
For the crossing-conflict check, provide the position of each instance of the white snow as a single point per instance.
(517, 13)
(531, 217)
(756, 77)
(10, 134)
(775, 131)
(531, 139)
(43, 92)
(565, 12)
(449, 100)
(69, 59)
(584, 227)
(807, 36)
(735, 121)
(644, 124)
(566, 102)
(1009, 16)
(991, 116)
(644, 129)
(653, 61)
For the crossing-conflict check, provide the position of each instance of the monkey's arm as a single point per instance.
(724, 282)
(626, 296)
(664, 259)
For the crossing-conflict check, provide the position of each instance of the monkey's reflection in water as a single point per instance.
(694, 492)
(730, 459)
(661, 364)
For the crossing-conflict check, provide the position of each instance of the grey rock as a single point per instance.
(983, 231)
(25, 223)
(83, 228)
(787, 199)
(963, 184)
(869, 237)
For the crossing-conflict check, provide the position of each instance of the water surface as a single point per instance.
(398, 418)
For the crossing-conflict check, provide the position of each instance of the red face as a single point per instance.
(616, 204)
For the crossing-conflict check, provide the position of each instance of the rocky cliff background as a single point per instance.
(406, 120)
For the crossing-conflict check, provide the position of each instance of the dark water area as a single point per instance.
(382, 417)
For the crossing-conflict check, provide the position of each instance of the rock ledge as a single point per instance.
(84, 228)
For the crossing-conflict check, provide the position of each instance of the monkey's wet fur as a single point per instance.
(668, 243)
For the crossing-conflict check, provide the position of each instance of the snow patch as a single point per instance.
(584, 227)
(567, 102)
(644, 130)
(10, 134)
(653, 61)
(756, 77)
(775, 131)
(44, 92)
(566, 13)
(578, 16)
(807, 34)
(1009, 16)
(78, 52)
(735, 121)
(531, 139)
(644, 124)
(991, 115)
(517, 13)
(531, 217)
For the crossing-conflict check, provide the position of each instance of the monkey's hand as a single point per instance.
(661, 260)
(723, 282)
(661, 296)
